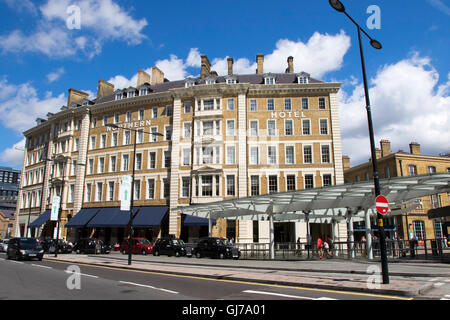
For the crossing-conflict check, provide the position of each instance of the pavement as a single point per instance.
(406, 279)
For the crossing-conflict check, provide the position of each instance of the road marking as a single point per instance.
(40, 266)
(237, 281)
(286, 295)
(146, 286)
(447, 296)
(438, 284)
(16, 261)
(83, 274)
(434, 279)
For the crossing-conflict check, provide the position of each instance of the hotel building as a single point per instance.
(221, 137)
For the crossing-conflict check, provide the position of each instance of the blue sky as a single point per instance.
(41, 58)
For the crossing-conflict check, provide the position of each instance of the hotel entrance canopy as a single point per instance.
(326, 204)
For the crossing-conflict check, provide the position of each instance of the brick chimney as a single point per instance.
(414, 148)
(378, 153)
(346, 162)
(260, 64)
(104, 88)
(290, 68)
(157, 76)
(206, 67)
(143, 77)
(385, 148)
(230, 66)
(76, 96)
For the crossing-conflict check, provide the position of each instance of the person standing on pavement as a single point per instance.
(320, 247)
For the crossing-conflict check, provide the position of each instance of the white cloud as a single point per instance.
(101, 21)
(20, 105)
(321, 54)
(22, 6)
(407, 105)
(12, 156)
(53, 76)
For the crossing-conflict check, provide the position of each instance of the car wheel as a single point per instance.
(156, 253)
(221, 255)
(177, 253)
(124, 252)
(198, 255)
(144, 252)
(78, 251)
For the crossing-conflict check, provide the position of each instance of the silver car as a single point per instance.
(4, 245)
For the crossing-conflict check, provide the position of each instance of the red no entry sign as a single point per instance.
(382, 205)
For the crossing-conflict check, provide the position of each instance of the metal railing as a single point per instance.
(429, 249)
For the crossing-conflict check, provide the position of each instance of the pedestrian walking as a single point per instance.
(326, 249)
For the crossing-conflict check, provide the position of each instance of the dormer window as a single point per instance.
(269, 80)
(85, 102)
(210, 81)
(119, 96)
(143, 92)
(131, 94)
(303, 80)
(231, 81)
(190, 83)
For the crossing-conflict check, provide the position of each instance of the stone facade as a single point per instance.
(217, 136)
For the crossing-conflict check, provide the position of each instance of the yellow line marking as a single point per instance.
(235, 281)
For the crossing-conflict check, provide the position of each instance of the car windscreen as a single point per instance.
(29, 243)
(145, 242)
(224, 242)
(178, 242)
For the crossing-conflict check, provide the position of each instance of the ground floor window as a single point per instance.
(438, 229)
(419, 230)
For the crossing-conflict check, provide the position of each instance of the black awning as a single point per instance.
(149, 217)
(81, 219)
(111, 218)
(191, 221)
(439, 212)
(43, 218)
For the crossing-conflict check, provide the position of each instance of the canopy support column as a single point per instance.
(334, 232)
(271, 239)
(368, 244)
(209, 225)
(351, 238)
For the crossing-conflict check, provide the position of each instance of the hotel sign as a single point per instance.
(130, 125)
(287, 114)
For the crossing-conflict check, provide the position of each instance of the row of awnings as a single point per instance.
(113, 217)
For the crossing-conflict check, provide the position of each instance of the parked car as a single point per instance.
(4, 245)
(140, 246)
(169, 246)
(91, 245)
(215, 248)
(49, 246)
(24, 248)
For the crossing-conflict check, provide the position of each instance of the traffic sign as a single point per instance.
(382, 205)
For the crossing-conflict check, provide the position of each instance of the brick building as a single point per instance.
(400, 164)
(222, 137)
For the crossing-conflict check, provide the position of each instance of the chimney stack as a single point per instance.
(414, 148)
(206, 67)
(290, 68)
(104, 88)
(230, 66)
(378, 153)
(143, 77)
(157, 76)
(260, 64)
(385, 148)
(76, 96)
(346, 162)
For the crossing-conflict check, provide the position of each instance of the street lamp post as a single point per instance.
(130, 222)
(338, 6)
(64, 161)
